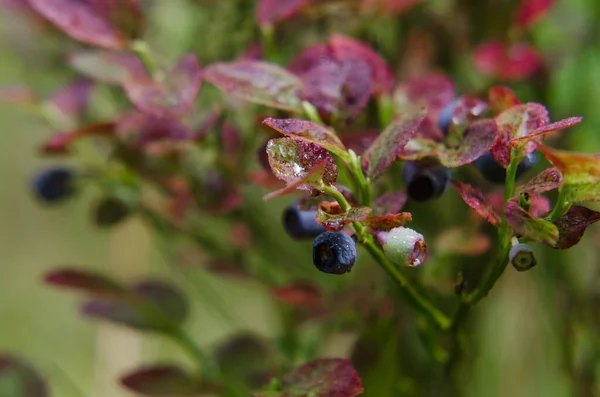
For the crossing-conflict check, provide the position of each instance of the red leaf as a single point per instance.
(85, 281)
(164, 298)
(433, 92)
(19, 379)
(258, 82)
(389, 203)
(477, 140)
(334, 222)
(388, 222)
(386, 148)
(271, 11)
(109, 67)
(331, 377)
(59, 143)
(501, 98)
(301, 294)
(154, 135)
(573, 224)
(477, 200)
(529, 226)
(72, 101)
(514, 62)
(547, 180)
(346, 48)
(531, 11)
(161, 381)
(92, 21)
(387, 7)
(171, 97)
(545, 129)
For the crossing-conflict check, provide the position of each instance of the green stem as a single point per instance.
(561, 206)
(267, 36)
(189, 346)
(142, 49)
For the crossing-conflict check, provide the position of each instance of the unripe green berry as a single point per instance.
(403, 246)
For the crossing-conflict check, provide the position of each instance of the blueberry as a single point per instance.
(494, 172)
(334, 252)
(54, 184)
(425, 179)
(301, 224)
(445, 117)
(110, 211)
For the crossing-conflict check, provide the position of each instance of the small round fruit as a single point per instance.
(301, 224)
(110, 211)
(522, 257)
(54, 184)
(425, 179)
(334, 252)
(494, 172)
(403, 246)
(445, 117)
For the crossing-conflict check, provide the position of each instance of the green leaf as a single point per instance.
(527, 225)
(386, 148)
(18, 379)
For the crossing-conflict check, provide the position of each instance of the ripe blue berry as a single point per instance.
(54, 184)
(522, 257)
(301, 224)
(334, 252)
(425, 179)
(445, 117)
(494, 172)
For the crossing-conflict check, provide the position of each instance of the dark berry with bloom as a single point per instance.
(334, 252)
(425, 179)
(301, 224)
(54, 184)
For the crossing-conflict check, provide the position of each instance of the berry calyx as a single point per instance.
(334, 252)
(301, 224)
(495, 173)
(54, 185)
(522, 257)
(425, 179)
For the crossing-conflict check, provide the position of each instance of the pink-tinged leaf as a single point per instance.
(501, 98)
(19, 379)
(109, 67)
(547, 180)
(477, 140)
(311, 57)
(164, 298)
(271, 11)
(85, 281)
(258, 82)
(477, 200)
(331, 377)
(459, 241)
(573, 224)
(72, 101)
(390, 143)
(418, 148)
(545, 129)
(576, 168)
(231, 140)
(130, 314)
(346, 48)
(162, 381)
(16, 94)
(171, 97)
(516, 122)
(59, 144)
(310, 132)
(387, 7)
(335, 222)
(83, 20)
(302, 294)
(388, 222)
(433, 92)
(359, 141)
(526, 225)
(154, 135)
(530, 11)
(389, 203)
(506, 62)
(540, 206)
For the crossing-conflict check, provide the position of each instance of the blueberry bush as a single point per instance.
(406, 140)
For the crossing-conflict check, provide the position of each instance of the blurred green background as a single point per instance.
(518, 336)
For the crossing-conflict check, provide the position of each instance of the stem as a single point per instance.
(267, 37)
(561, 206)
(142, 49)
(415, 298)
(189, 346)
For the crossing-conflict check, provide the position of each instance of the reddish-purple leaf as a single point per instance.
(85, 281)
(310, 132)
(388, 222)
(302, 294)
(506, 62)
(501, 98)
(540, 206)
(531, 11)
(389, 203)
(359, 141)
(525, 224)
(90, 21)
(165, 298)
(477, 200)
(334, 222)
(516, 122)
(573, 224)
(72, 101)
(207, 124)
(19, 379)
(546, 129)
(547, 180)
(418, 148)
(171, 97)
(388, 7)
(259, 82)
(312, 179)
(109, 67)
(433, 92)
(477, 140)
(311, 57)
(60, 143)
(129, 313)
(345, 48)
(231, 140)
(154, 135)
(331, 377)
(161, 381)
(390, 143)
(271, 11)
